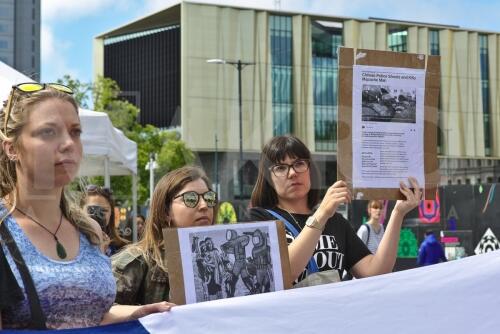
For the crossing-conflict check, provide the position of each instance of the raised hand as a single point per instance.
(337, 194)
(413, 196)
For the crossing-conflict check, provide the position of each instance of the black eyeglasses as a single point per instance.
(30, 87)
(282, 170)
(191, 198)
(92, 188)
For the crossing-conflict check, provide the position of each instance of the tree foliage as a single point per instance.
(171, 151)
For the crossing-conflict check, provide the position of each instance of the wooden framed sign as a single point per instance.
(387, 122)
(224, 261)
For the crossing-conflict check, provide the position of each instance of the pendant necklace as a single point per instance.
(61, 251)
(295, 221)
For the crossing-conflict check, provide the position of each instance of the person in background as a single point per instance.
(431, 251)
(140, 221)
(372, 232)
(100, 204)
(47, 239)
(321, 241)
(182, 198)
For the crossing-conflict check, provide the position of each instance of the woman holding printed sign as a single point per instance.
(321, 242)
(182, 198)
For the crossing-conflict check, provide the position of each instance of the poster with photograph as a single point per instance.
(225, 261)
(387, 124)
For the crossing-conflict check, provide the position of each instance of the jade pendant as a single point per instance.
(61, 252)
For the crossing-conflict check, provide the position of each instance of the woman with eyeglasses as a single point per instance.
(321, 242)
(51, 246)
(182, 198)
(100, 204)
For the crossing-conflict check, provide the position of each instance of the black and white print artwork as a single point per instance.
(232, 260)
(383, 103)
(234, 263)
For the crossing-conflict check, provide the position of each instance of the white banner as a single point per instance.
(461, 296)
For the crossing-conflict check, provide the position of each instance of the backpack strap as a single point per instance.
(37, 317)
(368, 238)
(312, 267)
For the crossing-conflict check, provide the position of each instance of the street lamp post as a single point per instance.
(447, 154)
(239, 65)
(151, 166)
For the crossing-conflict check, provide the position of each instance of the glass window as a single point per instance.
(281, 72)
(4, 44)
(434, 51)
(397, 39)
(434, 42)
(485, 90)
(325, 41)
(6, 12)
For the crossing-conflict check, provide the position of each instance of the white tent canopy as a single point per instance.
(106, 150)
(102, 142)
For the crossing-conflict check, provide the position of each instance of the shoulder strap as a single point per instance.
(312, 267)
(288, 225)
(368, 238)
(37, 316)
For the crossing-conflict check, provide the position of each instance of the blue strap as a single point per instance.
(312, 267)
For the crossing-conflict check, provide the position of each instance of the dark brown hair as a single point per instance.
(275, 151)
(110, 228)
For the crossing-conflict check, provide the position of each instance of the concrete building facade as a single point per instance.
(291, 84)
(20, 36)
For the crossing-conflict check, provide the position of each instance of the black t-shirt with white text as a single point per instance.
(338, 247)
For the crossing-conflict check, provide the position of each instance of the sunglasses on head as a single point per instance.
(192, 198)
(92, 188)
(30, 87)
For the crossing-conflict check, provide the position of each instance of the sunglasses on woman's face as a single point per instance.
(192, 198)
(30, 87)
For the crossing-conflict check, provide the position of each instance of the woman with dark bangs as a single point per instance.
(321, 242)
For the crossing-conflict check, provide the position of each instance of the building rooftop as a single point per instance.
(171, 15)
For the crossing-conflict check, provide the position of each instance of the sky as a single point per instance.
(69, 27)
